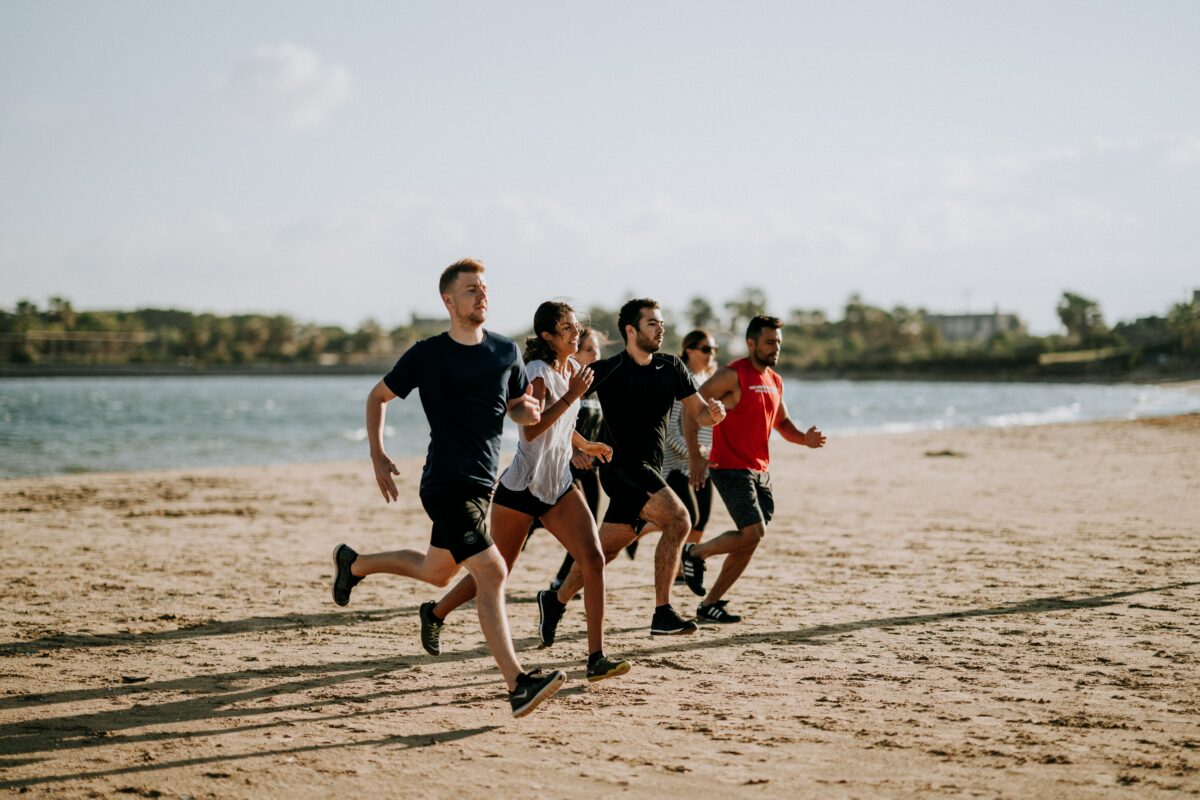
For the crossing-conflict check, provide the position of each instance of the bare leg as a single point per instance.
(435, 565)
(740, 547)
(664, 510)
(489, 572)
(509, 530)
(694, 536)
(572, 524)
(613, 537)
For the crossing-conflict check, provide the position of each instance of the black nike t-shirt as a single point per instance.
(637, 401)
(465, 391)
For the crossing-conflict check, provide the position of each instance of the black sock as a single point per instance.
(594, 657)
(660, 608)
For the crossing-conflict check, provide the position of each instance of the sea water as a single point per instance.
(65, 425)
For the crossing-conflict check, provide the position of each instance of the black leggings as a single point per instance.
(698, 504)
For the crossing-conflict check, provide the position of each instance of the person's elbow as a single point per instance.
(380, 394)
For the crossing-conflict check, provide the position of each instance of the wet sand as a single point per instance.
(987, 613)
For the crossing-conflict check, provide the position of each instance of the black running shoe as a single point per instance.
(693, 570)
(550, 612)
(431, 629)
(343, 579)
(667, 623)
(716, 612)
(533, 688)
(605, 667)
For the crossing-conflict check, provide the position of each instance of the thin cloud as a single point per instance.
(283, 86)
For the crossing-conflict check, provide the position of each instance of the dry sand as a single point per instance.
(990, 613)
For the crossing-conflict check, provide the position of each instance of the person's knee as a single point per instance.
(489, 572)
(752, 535)
(591, 559)
(677, 523)
(439, 578)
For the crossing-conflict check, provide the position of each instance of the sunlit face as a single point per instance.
(565, 340)
(589, 349)
(703, 355)
(766, 348)
(467, 299)
(650, 330)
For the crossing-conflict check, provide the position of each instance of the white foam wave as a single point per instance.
(1067, 413)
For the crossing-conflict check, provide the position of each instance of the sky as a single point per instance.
(328, 160)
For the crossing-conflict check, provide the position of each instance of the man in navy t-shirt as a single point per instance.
(468, 380)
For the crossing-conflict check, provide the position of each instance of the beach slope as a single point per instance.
(1005, 613)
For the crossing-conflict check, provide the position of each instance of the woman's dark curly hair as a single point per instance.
(545, 320)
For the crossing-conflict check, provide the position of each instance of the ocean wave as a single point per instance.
(1067, 413)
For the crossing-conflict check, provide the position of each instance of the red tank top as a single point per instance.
(740, 441)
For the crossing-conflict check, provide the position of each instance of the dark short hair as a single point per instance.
(631, 313)
(450, 274)
(759, 323)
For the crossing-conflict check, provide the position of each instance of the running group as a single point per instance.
(656, 431)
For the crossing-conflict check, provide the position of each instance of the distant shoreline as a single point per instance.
(181, 370)
(1177, 374)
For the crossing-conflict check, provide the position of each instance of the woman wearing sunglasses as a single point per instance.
(700, 355)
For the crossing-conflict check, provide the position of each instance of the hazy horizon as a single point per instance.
(327, 162)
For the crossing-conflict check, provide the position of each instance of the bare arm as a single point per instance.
(721, 386)
(788, 430)
(576, 388)
(704, 413)
(385, 468)
(526, 409)
(592, 449)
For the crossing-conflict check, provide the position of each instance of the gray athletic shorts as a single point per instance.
(747, 495)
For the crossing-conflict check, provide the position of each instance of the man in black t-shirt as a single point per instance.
(637, 388)
(468, 379)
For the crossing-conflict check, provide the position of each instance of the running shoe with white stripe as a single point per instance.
(668, 623)
(693, 570)
(715, 612)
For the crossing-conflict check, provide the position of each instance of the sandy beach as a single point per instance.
(980, 613)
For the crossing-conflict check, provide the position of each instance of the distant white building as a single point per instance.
(974, 327)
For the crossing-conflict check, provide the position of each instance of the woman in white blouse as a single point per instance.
(538, 483)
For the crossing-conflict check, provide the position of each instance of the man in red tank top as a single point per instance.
(752, 393)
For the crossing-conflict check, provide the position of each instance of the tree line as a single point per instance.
(865, 338)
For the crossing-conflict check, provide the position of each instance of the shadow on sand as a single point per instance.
(217, 699)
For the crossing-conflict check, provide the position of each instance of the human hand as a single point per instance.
(598, 450)
(385, 468)
(529, 410)
(716, 410)
(814, 438)
(581, 460)
(698, 471)
(580, 382)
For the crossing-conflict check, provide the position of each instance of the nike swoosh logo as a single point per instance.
(658, 366)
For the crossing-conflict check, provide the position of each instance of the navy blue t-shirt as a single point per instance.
(465, 391)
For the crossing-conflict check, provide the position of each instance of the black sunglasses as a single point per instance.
(707, 349)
